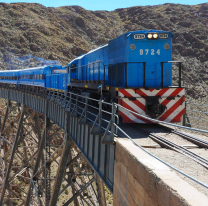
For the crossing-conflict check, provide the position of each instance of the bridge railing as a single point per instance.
(92, 119)
(87, 121)
(91, 123)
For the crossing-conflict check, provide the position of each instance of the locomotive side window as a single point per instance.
(73, 66)
(39, 76)
(64, 81)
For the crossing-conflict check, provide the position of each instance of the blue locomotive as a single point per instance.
(134, 69)
(131, 60)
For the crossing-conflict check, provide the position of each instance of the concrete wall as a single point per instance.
(140, 179)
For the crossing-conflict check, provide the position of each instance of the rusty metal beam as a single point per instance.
(47, 166)
(37, 163)
(23, 166)
(79, 192)
(60, 172)
(74, 159)
(101, 191)
(62, 165)
(37, 124)
(16, 195)
(5, 116)
(54, 156)
(5, 184)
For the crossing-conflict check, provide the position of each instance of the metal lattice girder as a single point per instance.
(79, 192)
(71, 169)
(54, 156)
(5, 184)
(75, 174)
(101, 191)
(60, 173)
(39, 170)
(62, 166)
(39, 155)
(5, 117)
(7, 126)
(25, 155)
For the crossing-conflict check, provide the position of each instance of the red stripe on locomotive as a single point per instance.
(172, 98)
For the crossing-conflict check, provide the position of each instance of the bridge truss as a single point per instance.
(52, 152)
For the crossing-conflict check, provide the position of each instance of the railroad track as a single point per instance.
(200, 142)
(173, 146)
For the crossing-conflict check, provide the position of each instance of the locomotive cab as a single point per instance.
(135, 59)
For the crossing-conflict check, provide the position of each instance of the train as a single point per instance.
(134, 70)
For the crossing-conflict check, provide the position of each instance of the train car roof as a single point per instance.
(77, 58)
(80, 57)
(8, 71)
(18, 70)
(33, 68)
(28, 69)
(100, 47)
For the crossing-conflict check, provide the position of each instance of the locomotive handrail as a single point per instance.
(180, 66)
(88, 77)
(125, 64)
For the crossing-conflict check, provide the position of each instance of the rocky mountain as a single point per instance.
(28, 30)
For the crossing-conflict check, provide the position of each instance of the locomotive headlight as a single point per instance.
(155, 36)
(149, 36)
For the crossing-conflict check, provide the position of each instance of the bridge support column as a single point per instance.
(101, 191)
(48, 163)
(62, 165)
(37, 163)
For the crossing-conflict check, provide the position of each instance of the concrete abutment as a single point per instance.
(140, 179)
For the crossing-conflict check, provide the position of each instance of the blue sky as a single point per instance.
(107, 4)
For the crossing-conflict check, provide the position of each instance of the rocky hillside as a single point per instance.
(62, 33)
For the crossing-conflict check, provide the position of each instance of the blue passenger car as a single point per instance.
(33, 76)
(38, 76)
(10, 76)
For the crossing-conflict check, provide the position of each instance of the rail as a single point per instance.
(179, 71)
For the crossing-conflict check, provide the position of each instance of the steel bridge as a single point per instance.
(28, 156)
(46, 139)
